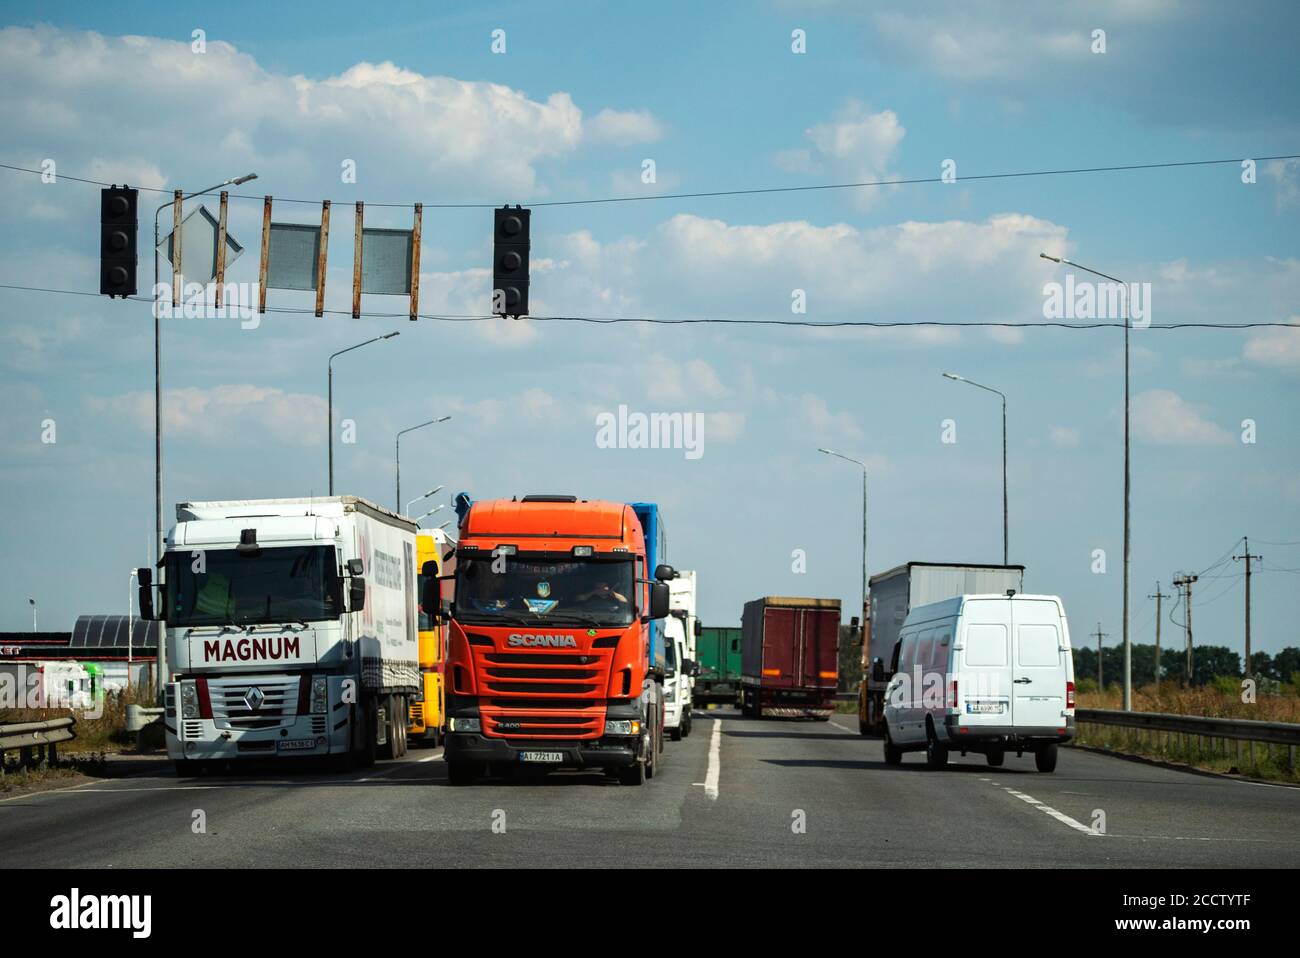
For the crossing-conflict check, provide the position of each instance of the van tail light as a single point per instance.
(1069, 695)
(953, 703)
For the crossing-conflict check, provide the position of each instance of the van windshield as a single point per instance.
(273, 584)
(530, 590)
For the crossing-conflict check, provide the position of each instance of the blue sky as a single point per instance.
(582, 96)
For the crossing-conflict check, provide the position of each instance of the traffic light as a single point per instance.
(117, 229)
(510, 262)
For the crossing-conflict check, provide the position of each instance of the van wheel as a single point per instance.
(995, 756)
(893, 754)
(936, 753)
(675, 733)
(1045, 757)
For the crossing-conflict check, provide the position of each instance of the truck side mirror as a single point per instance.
(356, 567)
(356, 593)
(665, 572)
(877, 670)
(658, 599)
(431, 601)
(145, 577)
(690, 667)
(699, 629)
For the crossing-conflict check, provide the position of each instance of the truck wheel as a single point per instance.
(364, 718)
(995, 756)
(633, 774)
(460, 773)
(893, 754)
(936, 753)
(388, 750)
(686, 725)
(652, 754)
(401, 722)
(1045, 757)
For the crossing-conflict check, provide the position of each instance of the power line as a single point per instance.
(866, 184)
(701, 320)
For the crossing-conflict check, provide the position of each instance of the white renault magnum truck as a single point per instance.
(982, 673)
(291, 631)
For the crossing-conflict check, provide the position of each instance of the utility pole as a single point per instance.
(1158, 596)
(1100, 635)
(1247, 558)
(1184, 583)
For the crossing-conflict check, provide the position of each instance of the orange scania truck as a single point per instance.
(550, 658)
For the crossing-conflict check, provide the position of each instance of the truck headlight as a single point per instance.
(622, 727)
(319, 694)
(464, 725)
(189, 700)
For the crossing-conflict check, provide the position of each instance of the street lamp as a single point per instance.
(401, 433)
(432, 492)
(157, 356)
(1128, 648)
(429, 513)
(962, 379)
(32, 603)
(330, 399)
(831, 452)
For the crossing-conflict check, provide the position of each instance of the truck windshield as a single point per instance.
(226, 587)
(532, 591)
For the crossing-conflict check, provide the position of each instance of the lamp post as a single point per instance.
(971, 382)
(330, 397)
(858, 462)
(438, 508)
(157, 358)
(400, 434)
(32, 603)
(1128, 648)
(432, 492)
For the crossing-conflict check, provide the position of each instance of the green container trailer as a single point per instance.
(718, 654)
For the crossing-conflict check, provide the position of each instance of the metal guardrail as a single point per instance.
(1245, 730)
(27, 737)
(1196, 729)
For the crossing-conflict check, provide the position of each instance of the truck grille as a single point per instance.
(230, 702)
(543, 694)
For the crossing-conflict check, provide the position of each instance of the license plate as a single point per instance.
(543, 757)
(985, 708)
(289, 744)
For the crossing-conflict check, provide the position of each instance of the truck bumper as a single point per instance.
(292, 736)
(796, 703)
(608, 752)
(1008, 735)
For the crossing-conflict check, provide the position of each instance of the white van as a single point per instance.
(982, 673)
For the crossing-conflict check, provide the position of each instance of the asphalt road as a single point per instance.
(738, 792)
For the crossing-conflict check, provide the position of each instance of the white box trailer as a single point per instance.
(893, 595)
(291, 630)
(681, 596)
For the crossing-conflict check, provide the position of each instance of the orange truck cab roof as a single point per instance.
(552, 524)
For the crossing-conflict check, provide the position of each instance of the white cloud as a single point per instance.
(1063, 437)
(1274, 346)
(857, 145)
(225, 413)
(623, 127)
(1162, 416)
(461, 137)
(823, 424)
(723, 426)
(1285, 175)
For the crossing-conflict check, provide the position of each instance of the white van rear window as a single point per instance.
(986, 645)
(1038, 645)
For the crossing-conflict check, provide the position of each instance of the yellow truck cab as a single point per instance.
(427, 716)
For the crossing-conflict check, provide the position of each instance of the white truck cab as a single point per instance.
(678, 673)
(982, 673)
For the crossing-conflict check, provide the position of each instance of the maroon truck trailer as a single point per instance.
(789, 657)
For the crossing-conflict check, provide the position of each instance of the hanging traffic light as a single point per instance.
(510, 262)
(117, 229)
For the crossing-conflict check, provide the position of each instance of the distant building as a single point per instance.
(99, 640)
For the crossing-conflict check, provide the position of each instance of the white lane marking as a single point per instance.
(1059, 816)
(839, 726)
(715, 755)
(430, 758)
